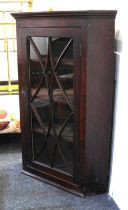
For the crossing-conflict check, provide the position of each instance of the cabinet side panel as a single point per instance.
(99, 104)
(22, 90)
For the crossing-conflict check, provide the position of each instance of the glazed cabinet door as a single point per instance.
(50, 99)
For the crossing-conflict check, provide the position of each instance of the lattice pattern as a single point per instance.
(49, 77)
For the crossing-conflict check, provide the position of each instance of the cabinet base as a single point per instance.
(64, 185)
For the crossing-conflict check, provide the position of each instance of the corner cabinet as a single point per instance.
(66, 79)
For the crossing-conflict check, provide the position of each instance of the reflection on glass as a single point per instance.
(51, 101)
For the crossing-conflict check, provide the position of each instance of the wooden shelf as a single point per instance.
(64, 61)
(57, 95)
(67, 134)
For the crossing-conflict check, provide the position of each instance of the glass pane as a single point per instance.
(1, 32)
(2, 46)
(51, 101)
(3, 66)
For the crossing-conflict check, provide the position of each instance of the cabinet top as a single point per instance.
(88, 13)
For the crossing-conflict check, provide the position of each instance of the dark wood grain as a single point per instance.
(93, 65)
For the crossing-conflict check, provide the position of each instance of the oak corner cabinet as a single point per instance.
(66, 79)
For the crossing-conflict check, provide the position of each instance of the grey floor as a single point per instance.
(21, 192)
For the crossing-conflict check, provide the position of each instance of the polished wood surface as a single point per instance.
(88, 81)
